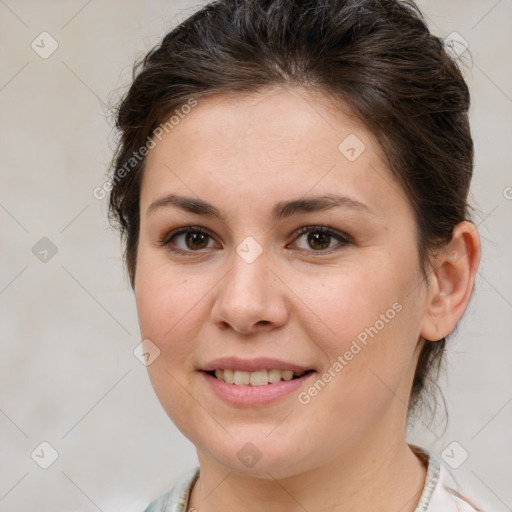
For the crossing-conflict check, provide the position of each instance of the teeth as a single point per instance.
(257, 378)
(287, 375)
(241, 378)
(274, 375)
(229, 376)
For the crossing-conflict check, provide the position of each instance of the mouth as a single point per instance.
(262, 377)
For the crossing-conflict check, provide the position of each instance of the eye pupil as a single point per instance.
(196, 238)
(316, 237)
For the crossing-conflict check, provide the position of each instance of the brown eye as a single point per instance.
(194, 240)
(320, 238)
(187, 240)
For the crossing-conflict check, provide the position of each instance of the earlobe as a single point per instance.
(451, 282)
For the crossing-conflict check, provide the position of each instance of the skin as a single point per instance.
(345, 449)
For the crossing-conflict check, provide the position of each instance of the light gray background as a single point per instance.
(69, 326)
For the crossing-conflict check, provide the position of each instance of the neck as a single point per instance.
(371, 476)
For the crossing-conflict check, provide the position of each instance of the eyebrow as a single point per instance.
(281, 210)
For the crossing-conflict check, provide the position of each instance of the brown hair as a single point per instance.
(376, 56)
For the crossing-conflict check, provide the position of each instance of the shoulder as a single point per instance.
(450, 493)
(442, 493)
(176, 499)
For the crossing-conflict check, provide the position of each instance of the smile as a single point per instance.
(256, 378)
(256, 388)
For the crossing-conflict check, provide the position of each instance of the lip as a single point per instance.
(253, 396)
(252, 365)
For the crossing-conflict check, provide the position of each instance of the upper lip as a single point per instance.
(252, 365)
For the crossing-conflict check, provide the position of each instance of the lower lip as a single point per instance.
(252, 396)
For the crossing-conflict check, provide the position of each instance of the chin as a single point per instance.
(257, 456)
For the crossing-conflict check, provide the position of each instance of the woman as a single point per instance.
(291, 182)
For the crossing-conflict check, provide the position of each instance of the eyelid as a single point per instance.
(343, 238)
(185, 229)
(165, 241)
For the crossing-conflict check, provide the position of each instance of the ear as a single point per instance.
(451, 282)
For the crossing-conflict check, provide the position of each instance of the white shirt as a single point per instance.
(441, 493)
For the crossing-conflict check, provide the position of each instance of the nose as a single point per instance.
(250, 298)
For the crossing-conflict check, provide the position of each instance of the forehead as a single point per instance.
(280, 117)
(258, 146)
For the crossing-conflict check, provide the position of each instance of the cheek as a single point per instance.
(367, 327)
(346, 301)
(162, 295)
(167, 306)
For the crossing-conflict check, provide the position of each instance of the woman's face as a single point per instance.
(348, 303)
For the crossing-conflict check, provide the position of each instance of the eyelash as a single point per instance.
(342, 238)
